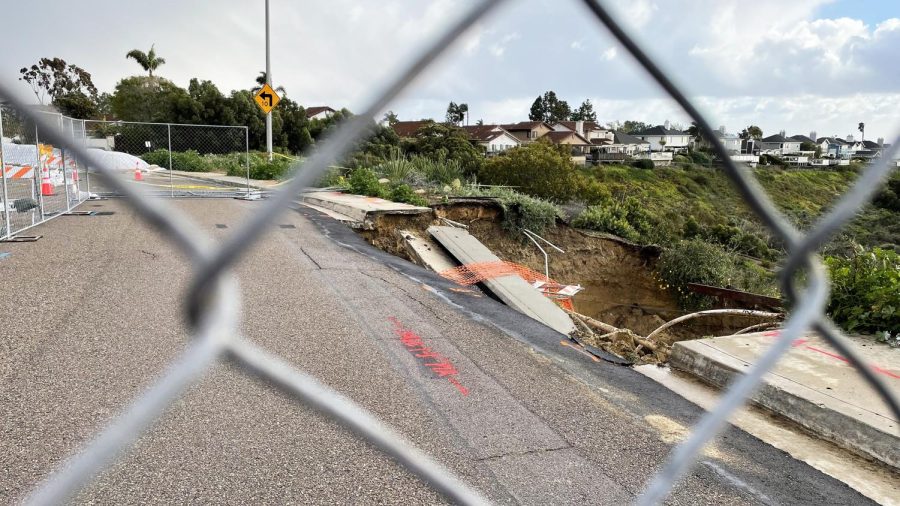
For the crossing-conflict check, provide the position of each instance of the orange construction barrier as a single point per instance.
(46, 185)
(472, 274)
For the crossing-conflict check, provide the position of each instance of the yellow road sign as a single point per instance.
(267, 99)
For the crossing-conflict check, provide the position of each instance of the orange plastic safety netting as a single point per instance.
(474, 273)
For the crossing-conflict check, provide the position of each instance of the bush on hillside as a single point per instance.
(364, 181)
(539, 169)
(643, 163)
(700, 158)
(519, 210)
(403, 193)
(865, 292)
(625, 219)
(695, 261)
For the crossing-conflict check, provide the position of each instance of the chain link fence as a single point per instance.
(213, 302)
(40, 180)
(176, 160)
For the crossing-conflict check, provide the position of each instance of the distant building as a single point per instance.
(528, 131)
(662, 138)
(778, 145)
(408, 129)
(492, 138)
(319, 112)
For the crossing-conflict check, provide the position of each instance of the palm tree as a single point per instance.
(149, 61)
(261, 81)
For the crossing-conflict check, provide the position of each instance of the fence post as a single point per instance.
(38, 173)
(3, 175)
(62, 154)
(87, 169)
(247, 156)
(171, 184)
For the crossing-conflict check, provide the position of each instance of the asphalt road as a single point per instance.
(92, 314)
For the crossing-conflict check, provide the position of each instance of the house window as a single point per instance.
(532, 134)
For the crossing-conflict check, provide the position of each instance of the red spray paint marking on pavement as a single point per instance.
(439, 364)
(800, 342)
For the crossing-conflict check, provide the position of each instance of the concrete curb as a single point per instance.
(824, 416)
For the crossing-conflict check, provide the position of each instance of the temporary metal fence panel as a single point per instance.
(40, 180)
(213, 302)
(169, 159)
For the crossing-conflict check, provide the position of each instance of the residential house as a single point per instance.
(834, 147)
(319, 112)
(408, 129)
(493, 138)
(662, 138)
(801, 139)
(621, 146)
(580, 145)
(870, 149)
(528, 131)
(778, 145)
(731, 142)
(590, 130)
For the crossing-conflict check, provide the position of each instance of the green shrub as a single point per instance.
(520, 210)
(865, 293)
(189, 161)
(700, 158)
(591, 191)
(539, 169)
(681, 160)
(438, 170)
(606, 219)
(158, 157)
(399, 170)
(235, 164)
(643, 163)
(403, 193)
(691, 228)
(364, 181)
(695, 261)
(333, 177)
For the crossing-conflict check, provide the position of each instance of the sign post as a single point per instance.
(269, 84)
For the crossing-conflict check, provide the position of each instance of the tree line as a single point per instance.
(152, 98)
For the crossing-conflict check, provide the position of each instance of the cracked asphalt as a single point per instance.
(93, 314)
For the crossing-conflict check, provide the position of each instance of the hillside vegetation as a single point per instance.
(686, 203)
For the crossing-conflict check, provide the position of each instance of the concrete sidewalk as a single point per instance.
(259, 184)
(358, 208)
(812, 385)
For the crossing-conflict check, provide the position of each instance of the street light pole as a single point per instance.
(269, 82)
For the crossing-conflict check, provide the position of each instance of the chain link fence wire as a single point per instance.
(213, 302)
(173, 158)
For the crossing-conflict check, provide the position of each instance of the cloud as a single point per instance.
(773, 63)
(498, 49)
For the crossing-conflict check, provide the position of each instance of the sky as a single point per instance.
(798, 65)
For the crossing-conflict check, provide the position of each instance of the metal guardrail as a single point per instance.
(213, 301)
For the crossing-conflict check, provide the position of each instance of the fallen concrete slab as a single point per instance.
(811, 385)
(425, 252)
(511, 289)
(357, 207)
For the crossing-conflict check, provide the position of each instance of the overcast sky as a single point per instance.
(797, 65)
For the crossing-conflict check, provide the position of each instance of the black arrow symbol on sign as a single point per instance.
(267, 97)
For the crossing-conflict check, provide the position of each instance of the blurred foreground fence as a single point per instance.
(213, 303)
